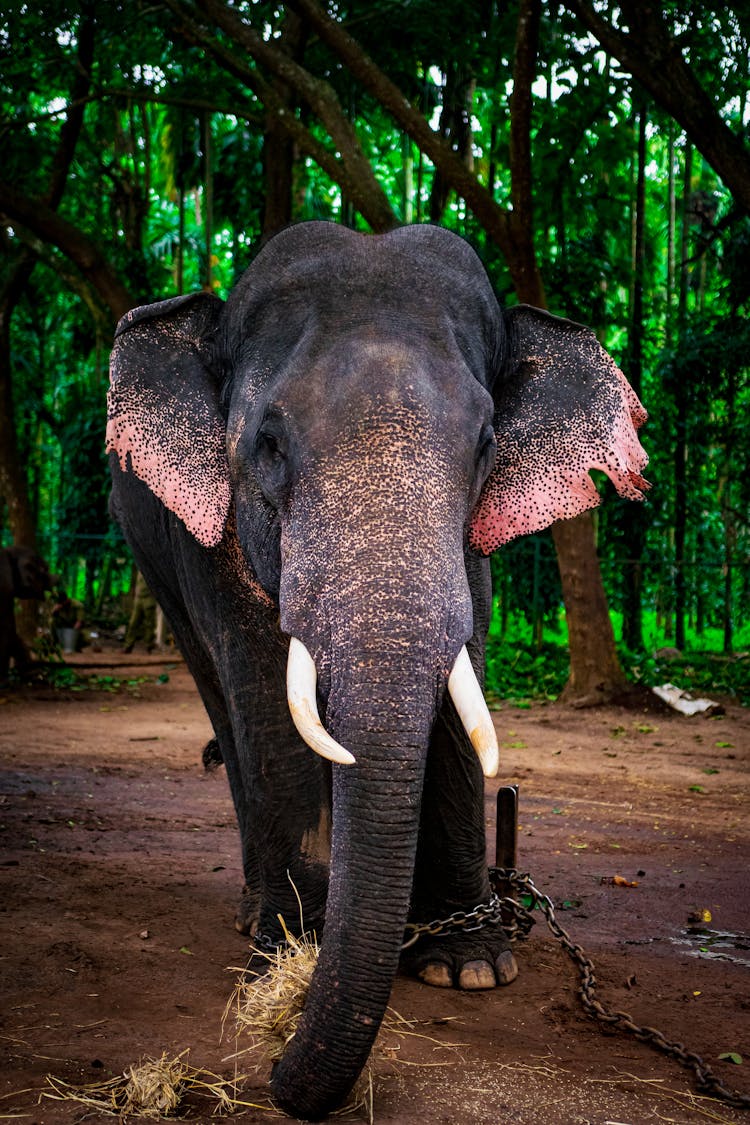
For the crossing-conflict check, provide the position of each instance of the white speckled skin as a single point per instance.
(328, 456)
(563, 408)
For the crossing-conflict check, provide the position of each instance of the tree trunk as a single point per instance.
(728, 516)
(455, 129)
(278, 146)
(13, 484)
(672, 224)
(595, 672)
(633, 519)
(681, 410)
(208, 200)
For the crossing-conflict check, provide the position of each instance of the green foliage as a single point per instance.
(168, 176)
(64, 678)
(700, 673)
(519, 671)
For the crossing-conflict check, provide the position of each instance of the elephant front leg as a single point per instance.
(451, 869)
(282, 795)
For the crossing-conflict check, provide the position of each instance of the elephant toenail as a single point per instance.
(507, 969)
(436, 974)
(476, 975)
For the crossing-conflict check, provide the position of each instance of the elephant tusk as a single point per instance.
(468, 699)
(301, 680)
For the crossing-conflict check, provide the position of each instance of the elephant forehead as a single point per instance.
(366, 374)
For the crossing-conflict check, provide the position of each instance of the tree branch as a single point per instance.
(350, 168)
(528, 281)
(653, 56)
(492, 217)
(42, 221)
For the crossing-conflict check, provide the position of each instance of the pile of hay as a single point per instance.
(152, 1088)
(267, 1009)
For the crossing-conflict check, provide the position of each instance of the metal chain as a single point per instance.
(517, 921)
(266, 945)
(492, 913)
(621, 1021)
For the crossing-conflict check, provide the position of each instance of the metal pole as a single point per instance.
(506, 826)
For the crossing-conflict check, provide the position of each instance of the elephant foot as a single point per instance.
(478, 960)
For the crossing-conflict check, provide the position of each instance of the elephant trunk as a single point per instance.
(375, 826)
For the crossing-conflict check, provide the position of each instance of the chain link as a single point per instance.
(517, 921)
(266, 945)
(620, 1021)
(492, 913)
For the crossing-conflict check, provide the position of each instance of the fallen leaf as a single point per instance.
(698, 916)
(620, 881)
(733, 1057)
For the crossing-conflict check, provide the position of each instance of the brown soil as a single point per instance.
(120, 874)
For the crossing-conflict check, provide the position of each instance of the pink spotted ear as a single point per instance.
(163, 417)
(562, 409)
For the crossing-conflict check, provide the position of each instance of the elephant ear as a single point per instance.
(562, 407)
(164, 420)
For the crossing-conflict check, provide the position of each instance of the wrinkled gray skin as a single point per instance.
(344, 394)
(23, 574)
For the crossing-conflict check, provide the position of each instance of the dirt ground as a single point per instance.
(120, 873)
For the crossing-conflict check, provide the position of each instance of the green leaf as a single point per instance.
(732, 1057)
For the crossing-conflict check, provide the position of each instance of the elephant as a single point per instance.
(23, 574)
(311, 476)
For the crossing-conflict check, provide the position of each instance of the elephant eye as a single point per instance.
(268, 447)
(270, 453)
(486, 448)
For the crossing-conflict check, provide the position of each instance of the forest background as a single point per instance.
(596, 156)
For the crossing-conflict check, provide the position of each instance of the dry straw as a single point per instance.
(152, 1088)
(266, 1011)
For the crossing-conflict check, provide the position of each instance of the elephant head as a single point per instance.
(363, 414)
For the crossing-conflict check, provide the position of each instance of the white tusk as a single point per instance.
(301, 680)
(468, 698)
